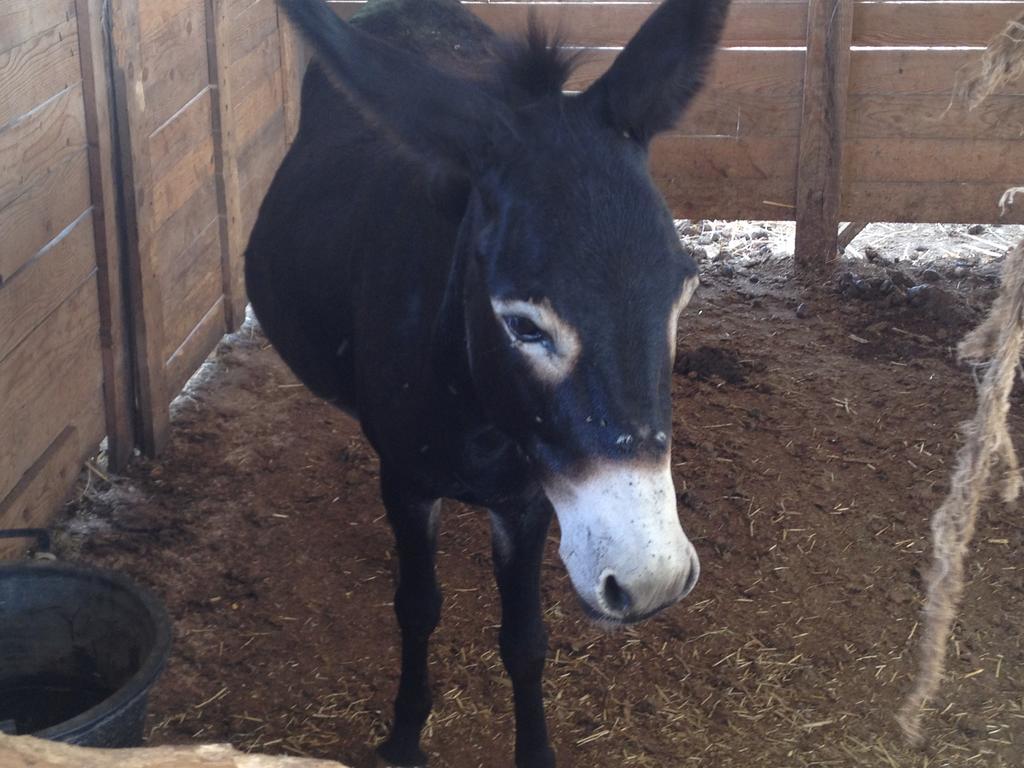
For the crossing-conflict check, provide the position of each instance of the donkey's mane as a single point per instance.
(534, 65)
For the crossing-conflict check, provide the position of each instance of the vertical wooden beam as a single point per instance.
(225, 144)
(294, 58)
(819, 182)
(118, 389)
(136, 185)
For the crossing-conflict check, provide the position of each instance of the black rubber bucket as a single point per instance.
(79, 651)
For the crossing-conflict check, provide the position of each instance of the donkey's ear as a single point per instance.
(651, 82)
(438, 116)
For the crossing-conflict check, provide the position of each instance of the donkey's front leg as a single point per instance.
(518, 536)
(418, 608)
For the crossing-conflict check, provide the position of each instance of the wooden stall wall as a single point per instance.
(910, 155)
(63, 378)
(734, 154)
(137, 139)
(255, 126)
(817, 110)
(165, 117)
(201, 123)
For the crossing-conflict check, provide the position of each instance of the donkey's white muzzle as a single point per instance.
(622, 543)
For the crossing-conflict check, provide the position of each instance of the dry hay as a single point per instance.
(998, 339)
(1002, 63)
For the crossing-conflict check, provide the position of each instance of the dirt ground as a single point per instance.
(814, 432)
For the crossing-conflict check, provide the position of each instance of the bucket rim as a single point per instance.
(149, 670)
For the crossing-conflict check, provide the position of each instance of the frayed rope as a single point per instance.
(987, 446)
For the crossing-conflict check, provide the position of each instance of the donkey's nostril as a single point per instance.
(615, 598)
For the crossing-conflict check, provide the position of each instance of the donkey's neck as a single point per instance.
(449, 357)
(477, 462)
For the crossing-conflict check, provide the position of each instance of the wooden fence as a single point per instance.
(202, 127)
(820, 110)
(137, 138)
(62, 353)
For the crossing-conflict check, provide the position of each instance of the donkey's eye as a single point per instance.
(525, 330)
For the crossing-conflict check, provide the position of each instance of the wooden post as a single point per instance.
(225, 145)
(145, 305)
(118, 388)
(294, 58)
(819, 182)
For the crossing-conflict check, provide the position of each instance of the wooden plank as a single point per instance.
(235, 7)
(191, 286)
(187, 131)
(927, 116)
(870, 71)
(118, 384)
(251, 197)
(44, 208)
(46, 282)
(747, 115)
(747, 72)
(261, 156)
(178, 231)
(260, 176)
(614, 23)
(29, 752)
(194, 350)
(145, 305)
(294, 57)
(749, 93)
(932, 160)
(179, 273)
(260, 64)
(33, 502)
(969, 203)
(720, 158)
(818, 186)
(931, 23)
(38, 69)
(33, 145)
(21, 20)
(228, 188)
(248, 29)
(877, 71)
(723, 199)
(52, 377)
(778, 73)
(155, 16)
(253, 110)
(175, 68)
(192, 170)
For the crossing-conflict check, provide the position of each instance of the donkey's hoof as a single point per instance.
(396, 755)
